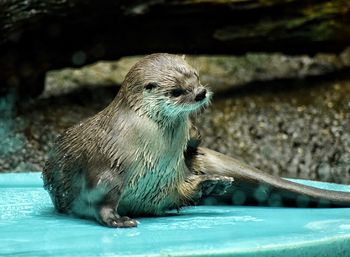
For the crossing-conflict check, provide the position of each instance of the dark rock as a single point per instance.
(37, 36)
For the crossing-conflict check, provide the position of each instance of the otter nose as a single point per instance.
(201, 95)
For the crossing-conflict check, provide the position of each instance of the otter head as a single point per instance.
(164, 87)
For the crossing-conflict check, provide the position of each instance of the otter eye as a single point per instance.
(177, 92)
(151, 86)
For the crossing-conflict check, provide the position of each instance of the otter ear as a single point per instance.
(151, 86)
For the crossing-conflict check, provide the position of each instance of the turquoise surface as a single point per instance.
(30, 227)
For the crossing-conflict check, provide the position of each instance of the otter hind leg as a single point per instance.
(101, 206)
(109, 217)
(107, 213)
(99, 198)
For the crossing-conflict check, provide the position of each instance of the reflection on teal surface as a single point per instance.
(30, 227)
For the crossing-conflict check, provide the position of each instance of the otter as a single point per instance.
(140, 156)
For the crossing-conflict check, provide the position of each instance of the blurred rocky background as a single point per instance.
(281, 81)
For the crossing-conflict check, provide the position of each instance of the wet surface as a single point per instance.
(30, 227)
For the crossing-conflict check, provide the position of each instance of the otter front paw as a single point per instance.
(109, 218)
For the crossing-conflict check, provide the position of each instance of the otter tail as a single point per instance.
(254, 187)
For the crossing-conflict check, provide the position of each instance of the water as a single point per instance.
(30, 227)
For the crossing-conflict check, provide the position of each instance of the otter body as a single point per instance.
(129, 158)
(141, 156)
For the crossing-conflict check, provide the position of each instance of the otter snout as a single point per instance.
(201, 93)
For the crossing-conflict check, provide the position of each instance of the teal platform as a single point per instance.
(30, 227)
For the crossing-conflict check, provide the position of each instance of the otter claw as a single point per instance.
(110, 218)
(122, 222)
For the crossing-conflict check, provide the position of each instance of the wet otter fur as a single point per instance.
(141, 156)
(129, 158)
